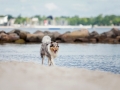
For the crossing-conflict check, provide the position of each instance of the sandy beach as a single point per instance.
(32, 76)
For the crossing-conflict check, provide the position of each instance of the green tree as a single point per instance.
(10, 17)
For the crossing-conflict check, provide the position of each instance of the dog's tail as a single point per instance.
(46, 39)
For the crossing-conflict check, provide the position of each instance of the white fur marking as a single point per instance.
(46, 39)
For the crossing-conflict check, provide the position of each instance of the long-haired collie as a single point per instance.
(49, 49)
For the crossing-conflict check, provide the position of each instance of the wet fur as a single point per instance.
(49, 49)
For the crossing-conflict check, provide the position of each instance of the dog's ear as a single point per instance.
(57, 43)
(51, 42)
(51, 45)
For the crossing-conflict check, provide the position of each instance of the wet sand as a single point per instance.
(32, 76)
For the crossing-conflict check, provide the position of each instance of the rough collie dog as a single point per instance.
(49, 49)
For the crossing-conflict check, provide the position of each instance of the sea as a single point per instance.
(103, 57)
(63, 30)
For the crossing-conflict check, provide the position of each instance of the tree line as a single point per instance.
(76, 20)
(98, 20)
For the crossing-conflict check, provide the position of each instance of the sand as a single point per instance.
(32, 76)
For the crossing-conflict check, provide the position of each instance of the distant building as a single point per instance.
(11, 22)
(34, 21)
(61, 22)
(3, 20)
(45, 22)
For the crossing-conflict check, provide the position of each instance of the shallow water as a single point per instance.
(32, 30)
(105, 57)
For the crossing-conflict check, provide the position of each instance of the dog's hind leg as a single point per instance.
(43, 56)
(49, 59)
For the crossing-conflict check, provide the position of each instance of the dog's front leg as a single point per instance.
(43, 59)
(49, 62)
(52, 62)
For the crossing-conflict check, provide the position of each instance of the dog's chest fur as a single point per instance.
(51, 52)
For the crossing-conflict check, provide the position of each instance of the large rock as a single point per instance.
(13, 37)
(81, 40)
(39, 37)
(109, 36)
(35, 37)
(101, 38)
(93, 40)
(17, 31)
(31, 38)
(116, 31)
(48, 33)
(65, 38)
(55, 36)
(70, 37)
(22, 34)
(94, 34)
(110, 40)
(20, 41)
(4, 37)
(2, 31)
(80, 33)
(112, 33)
(37, 32)
(118, 37)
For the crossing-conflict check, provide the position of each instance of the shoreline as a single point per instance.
(69, 27)
(32, 76)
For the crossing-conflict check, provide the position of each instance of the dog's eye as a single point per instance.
(51, 45)
(57, 46)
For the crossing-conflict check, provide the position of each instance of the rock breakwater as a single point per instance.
(78, 36)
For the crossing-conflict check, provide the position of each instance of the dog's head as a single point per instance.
(54, 47)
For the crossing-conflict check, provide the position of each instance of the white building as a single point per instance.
(11, 22)
(3, 20)
(34, 21)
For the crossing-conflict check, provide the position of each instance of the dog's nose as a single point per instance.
(55, 51)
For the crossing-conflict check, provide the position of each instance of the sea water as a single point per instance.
(104, 57)
(32, 30)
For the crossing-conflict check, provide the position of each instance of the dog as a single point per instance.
(49, 49)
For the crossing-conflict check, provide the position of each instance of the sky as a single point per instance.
(81, 8)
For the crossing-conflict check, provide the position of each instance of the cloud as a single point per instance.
(22, 8)
(80, 7)
(23, 1)
(34, 8)
(51, 6)
(9, 10)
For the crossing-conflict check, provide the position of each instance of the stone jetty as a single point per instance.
(78, 36)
